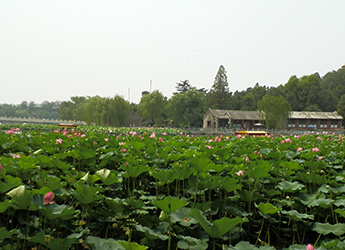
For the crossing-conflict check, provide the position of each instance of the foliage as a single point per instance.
(152, 108)
(162, 189)
(218, 96)
(186, 109)
(276, 110)
(45, 110)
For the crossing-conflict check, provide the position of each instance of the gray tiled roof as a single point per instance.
(237, 114)
(314, 115)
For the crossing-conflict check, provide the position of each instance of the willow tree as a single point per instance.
(276, 110)
(152, 106)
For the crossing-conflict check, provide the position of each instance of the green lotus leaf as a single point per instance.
(21, 197)
(151, 234)
(54, 211)
(116, 205)
(230, 184)
(169, 204)
(104, 244)
(296, 216)
(182, 172)
(326, 228)
(321, 202)
(9, 183)
(4, 234)
(268, 208)
(219, 227)
(107, 176)
(89, 178)
(289, 186)
(244, 245)
(134, 170)
(4, 205)
(55, 243)
(132, 245)
(164, 176)
(85, 194)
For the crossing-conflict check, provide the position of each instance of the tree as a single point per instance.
(341, 108)
(152, 106)
(187, 109)
(276, 109)
(218, 96)
(183, 87)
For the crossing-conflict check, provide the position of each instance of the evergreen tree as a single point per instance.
(219, 95)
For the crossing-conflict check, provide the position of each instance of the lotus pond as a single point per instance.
(163, 189)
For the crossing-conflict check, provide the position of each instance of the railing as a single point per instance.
(19, 120)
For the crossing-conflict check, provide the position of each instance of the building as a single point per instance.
(250, 120)
(134, 119)
(300, 120)
(232, 119)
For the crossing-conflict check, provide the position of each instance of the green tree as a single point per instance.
(183, 87)
(187, 109)
(152, 106)
(72, 110)
(341, 108)
(219, 95)
(276, 109)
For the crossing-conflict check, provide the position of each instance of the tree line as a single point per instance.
(188, 104)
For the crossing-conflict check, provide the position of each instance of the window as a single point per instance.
(291, 124)
(302, 124)
(334, 124)
(323, 124)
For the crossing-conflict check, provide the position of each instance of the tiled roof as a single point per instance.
(314, 115)
(237, 114)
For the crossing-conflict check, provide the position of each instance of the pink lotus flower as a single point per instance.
(315, 149)
(239, 173)
(260, 155)
(239, 136)
(299, 149)
(153, 135)
(282, 142)
(124, 150)
(106, 139)
(164, 133)
(59, 141)
(318, 138)
(208, 146)
(1, 168)
(15, 155)
(69, 136)
(83, 135)
(255, 152)
(48, 198)
(121, 143)
(310, 247)
(247, 159)
(288, 140)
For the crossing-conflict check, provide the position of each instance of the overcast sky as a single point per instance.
(53, 50)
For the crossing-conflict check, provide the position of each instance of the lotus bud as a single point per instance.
(47, 239)
(310, 247)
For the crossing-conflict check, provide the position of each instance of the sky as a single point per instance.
(53, 50)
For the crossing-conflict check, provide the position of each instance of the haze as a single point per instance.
(52, 50)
